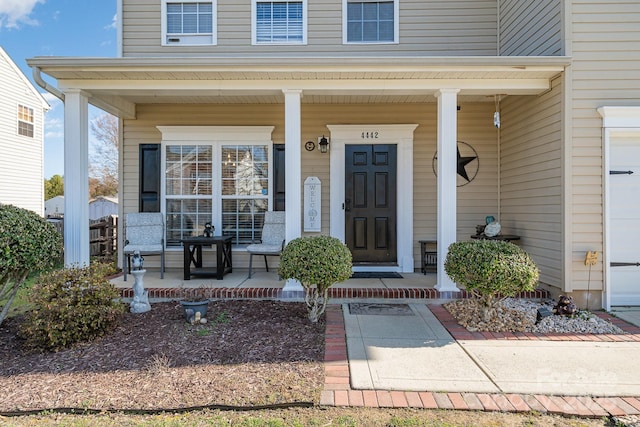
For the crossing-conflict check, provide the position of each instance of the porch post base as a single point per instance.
(292, 285)
(446, 286)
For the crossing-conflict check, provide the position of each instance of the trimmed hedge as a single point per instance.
(317, 262)
(491, 268)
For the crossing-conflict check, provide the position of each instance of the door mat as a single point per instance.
(380, 309)
(376, 275)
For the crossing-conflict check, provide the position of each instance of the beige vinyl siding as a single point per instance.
(452, 28)
(530, 28)
(606, 64)
(475, 200)
(531, 178)
(21, 158)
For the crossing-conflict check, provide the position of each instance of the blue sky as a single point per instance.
(30, 28)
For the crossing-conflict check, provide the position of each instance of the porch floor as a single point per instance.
(265, 285)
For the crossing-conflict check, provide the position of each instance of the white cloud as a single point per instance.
(16, 12)
(53, 123)
(52, 135)
(113, 25)
(53, 100)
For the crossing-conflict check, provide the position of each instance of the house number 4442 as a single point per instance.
(369, 135)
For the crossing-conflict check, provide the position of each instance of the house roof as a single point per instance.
(117, 84)
(20, 74)
(105, 198)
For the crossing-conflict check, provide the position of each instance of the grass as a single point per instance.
(342, 417)
(20, 304)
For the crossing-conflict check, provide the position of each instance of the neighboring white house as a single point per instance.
(437, 114)
(54, 207)
(103, 206)
(22, 111)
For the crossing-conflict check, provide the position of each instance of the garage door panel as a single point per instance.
(624, 221)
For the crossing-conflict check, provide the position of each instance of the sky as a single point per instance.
(30, 28)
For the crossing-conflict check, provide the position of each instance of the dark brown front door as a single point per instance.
(370, 203)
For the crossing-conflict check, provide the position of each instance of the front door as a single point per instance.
(370, 203)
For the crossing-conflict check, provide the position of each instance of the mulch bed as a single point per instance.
(249, 353)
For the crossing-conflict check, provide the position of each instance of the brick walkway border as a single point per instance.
(337, 390)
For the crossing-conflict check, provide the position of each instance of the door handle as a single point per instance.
(347, 207)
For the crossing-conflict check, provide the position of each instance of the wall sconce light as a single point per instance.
(323, 144)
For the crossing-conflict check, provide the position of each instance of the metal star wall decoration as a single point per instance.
(464, 162)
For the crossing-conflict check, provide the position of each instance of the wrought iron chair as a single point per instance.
(144, 232)
(273, 237)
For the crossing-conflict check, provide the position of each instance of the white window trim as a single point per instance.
(396, 23)
(18, 120)
(217, 137)
(214, 24)
(254, 23)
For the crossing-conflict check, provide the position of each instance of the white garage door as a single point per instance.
(624, 211)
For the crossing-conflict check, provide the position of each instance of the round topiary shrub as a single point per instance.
(71, 305)
(491, 270)
(28, 243)
(317, 262)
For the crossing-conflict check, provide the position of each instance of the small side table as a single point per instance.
(193, 255)
(501, 237)
(429, 256)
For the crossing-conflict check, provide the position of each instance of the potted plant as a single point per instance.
(317, 262)
(194, 300)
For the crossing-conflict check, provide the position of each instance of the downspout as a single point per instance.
(37, 77)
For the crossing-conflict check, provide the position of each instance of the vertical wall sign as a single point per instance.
(312, 208)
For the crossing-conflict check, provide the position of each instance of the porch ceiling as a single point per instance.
(118, 84)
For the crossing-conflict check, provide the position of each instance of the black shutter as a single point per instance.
(278, 177)
(149, 178)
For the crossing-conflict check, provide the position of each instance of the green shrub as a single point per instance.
(28, 243)
(491, 269)
(71, 305)
(317, 262)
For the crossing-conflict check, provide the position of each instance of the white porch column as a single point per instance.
(76, 179)
(292, 161)
(447, 170)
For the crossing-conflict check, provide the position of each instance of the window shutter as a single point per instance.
(278, 177)
(149, 179)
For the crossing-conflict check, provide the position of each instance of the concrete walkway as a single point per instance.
(402, 355)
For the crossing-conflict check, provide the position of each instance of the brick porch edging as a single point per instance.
(337, 389)
(334, 293)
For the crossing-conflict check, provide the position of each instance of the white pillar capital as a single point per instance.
(292, 92)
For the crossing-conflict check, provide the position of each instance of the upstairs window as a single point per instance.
(25, 121)
(279, 22)
(370, 21)
(188, 23)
